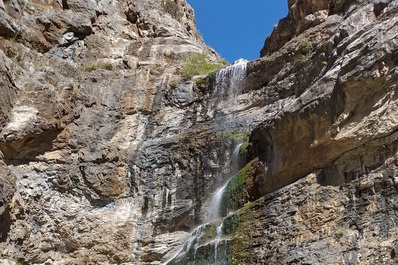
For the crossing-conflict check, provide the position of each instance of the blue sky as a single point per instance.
(237, 29)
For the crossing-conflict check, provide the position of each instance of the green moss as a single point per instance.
(236, 193)
(199, 64)
(199, 80)
(230, 224)
(244, 146)
(204, 253)
(233, 198)
(241, 227)
(208, 234)
(236, 136)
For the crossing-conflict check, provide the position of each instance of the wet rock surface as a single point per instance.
(108, 157)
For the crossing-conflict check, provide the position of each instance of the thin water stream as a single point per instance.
(227, 88)
(214, 221)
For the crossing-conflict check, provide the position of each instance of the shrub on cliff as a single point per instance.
(200, 65)
(172, 8)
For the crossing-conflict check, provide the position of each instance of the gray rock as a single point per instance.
(107, 158)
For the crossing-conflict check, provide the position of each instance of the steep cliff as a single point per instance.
(108, 156)
(85, 97)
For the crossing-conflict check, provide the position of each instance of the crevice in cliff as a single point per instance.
(65, 4)
(378, 8)
(5, 221)
(29, 147)
(157, 101)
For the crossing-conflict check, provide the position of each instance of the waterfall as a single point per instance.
(227, 87)
(199, 236)
(230, 79)
(214, 208)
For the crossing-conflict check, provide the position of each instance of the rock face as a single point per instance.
(108, 157)
(87, 125)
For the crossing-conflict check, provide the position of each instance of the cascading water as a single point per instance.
(199, 243)
(230, 78)
(227, 87)
(214, 208)
(207, 238)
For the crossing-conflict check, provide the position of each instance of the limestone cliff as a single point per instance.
(83, 85)
(109, 157)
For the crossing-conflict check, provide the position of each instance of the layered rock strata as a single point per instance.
(108, 158)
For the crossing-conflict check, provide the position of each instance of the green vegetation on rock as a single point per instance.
(173, 9)
(305, 47)
(236, 136)
(107, 66)
(34, 45)
(244, 146)
(93, 67)
(89, 68)
(200, 65)
(233, 197)
(240, 227)
(341, 232)
(209, 233)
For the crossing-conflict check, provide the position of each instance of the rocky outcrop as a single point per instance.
(344, 101)
(336, 131)
(109, 157)
(320, 183)
(84, 89)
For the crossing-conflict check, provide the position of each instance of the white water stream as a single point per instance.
(227, 88)
(193, 242)
(214, 208)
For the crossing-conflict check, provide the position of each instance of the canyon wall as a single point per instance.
(108, 156)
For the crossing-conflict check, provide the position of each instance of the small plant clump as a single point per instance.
(236, 135)
(93, 67)
(271, 56)
(341, 232)
(15, 38)
(305, 47)
(38, 47)
(34, 45)
(173, 9)
(89, 68)
(200, 65)
(107, 66)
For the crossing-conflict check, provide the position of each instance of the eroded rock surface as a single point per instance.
(108, 157)
(89, 141)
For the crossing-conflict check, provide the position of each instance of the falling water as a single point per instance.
(214, 208)
(230, 78)
(227, 88)
(187, 254)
